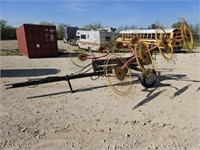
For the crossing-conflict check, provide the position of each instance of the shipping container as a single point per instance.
(36, 41)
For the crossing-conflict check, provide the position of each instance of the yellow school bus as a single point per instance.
(151, 36)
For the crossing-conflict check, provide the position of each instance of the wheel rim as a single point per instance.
(150, 78)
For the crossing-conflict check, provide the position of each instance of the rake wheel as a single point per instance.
(82, 57)
(135, 40)
(119, 45)
(186, 33)
(143, 57)
(120, 73)
(81, 60)
(146, 57)
(165, 45)
(120, 80)
(102, 49)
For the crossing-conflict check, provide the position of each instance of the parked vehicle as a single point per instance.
(96, 40)
(150, 36)
(70, 35)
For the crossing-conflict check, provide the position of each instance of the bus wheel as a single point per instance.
(148, 78)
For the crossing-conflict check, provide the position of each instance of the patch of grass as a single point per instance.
(74, 53)
(122, 50)
(196, 43)
(78, 51)
(62, 51)
(11, 52)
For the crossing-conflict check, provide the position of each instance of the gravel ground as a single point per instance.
(50, 117)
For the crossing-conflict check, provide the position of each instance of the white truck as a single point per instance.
(95, 40)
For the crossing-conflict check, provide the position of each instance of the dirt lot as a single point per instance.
(49, 117)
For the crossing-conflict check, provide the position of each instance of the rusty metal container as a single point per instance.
(36, 41)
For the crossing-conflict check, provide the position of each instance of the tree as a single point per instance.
(61, 30)
(155, 25)
(46, 23)
(196, 32)
(7, 32)
(92, 26)
(3, 25)
(176, 25)
(126, 27)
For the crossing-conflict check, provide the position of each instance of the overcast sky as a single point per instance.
(110, 13)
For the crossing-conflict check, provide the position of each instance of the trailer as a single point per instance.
(70, 35)
(95, 40)
(112, 66)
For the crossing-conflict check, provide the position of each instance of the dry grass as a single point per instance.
(10, 48)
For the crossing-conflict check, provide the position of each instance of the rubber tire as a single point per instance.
(143, 79)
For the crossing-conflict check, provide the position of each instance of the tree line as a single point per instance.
(8, 32)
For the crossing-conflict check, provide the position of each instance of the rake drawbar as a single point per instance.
(32, 82)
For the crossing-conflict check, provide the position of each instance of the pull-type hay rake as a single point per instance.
(113, 66)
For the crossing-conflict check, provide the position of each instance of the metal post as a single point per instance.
(69, 83)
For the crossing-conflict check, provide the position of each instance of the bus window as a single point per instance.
(142, 35)
(153, 36)
(145, 35)
(120, 35)
(149, 36)
(168, 35)
(158, 35)
(132, 35)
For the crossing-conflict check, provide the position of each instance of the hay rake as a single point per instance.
(117, 69)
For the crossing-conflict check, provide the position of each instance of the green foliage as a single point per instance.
(7, 32)
(11, 52)
(196, 33)
(61, 30)
(47, 23)
(92, 26)
(126, 27)
(3, 24)
(176, 25)
(156, 25)
(153, 26)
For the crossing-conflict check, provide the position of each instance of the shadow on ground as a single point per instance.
(150, 91)
(7, 73)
